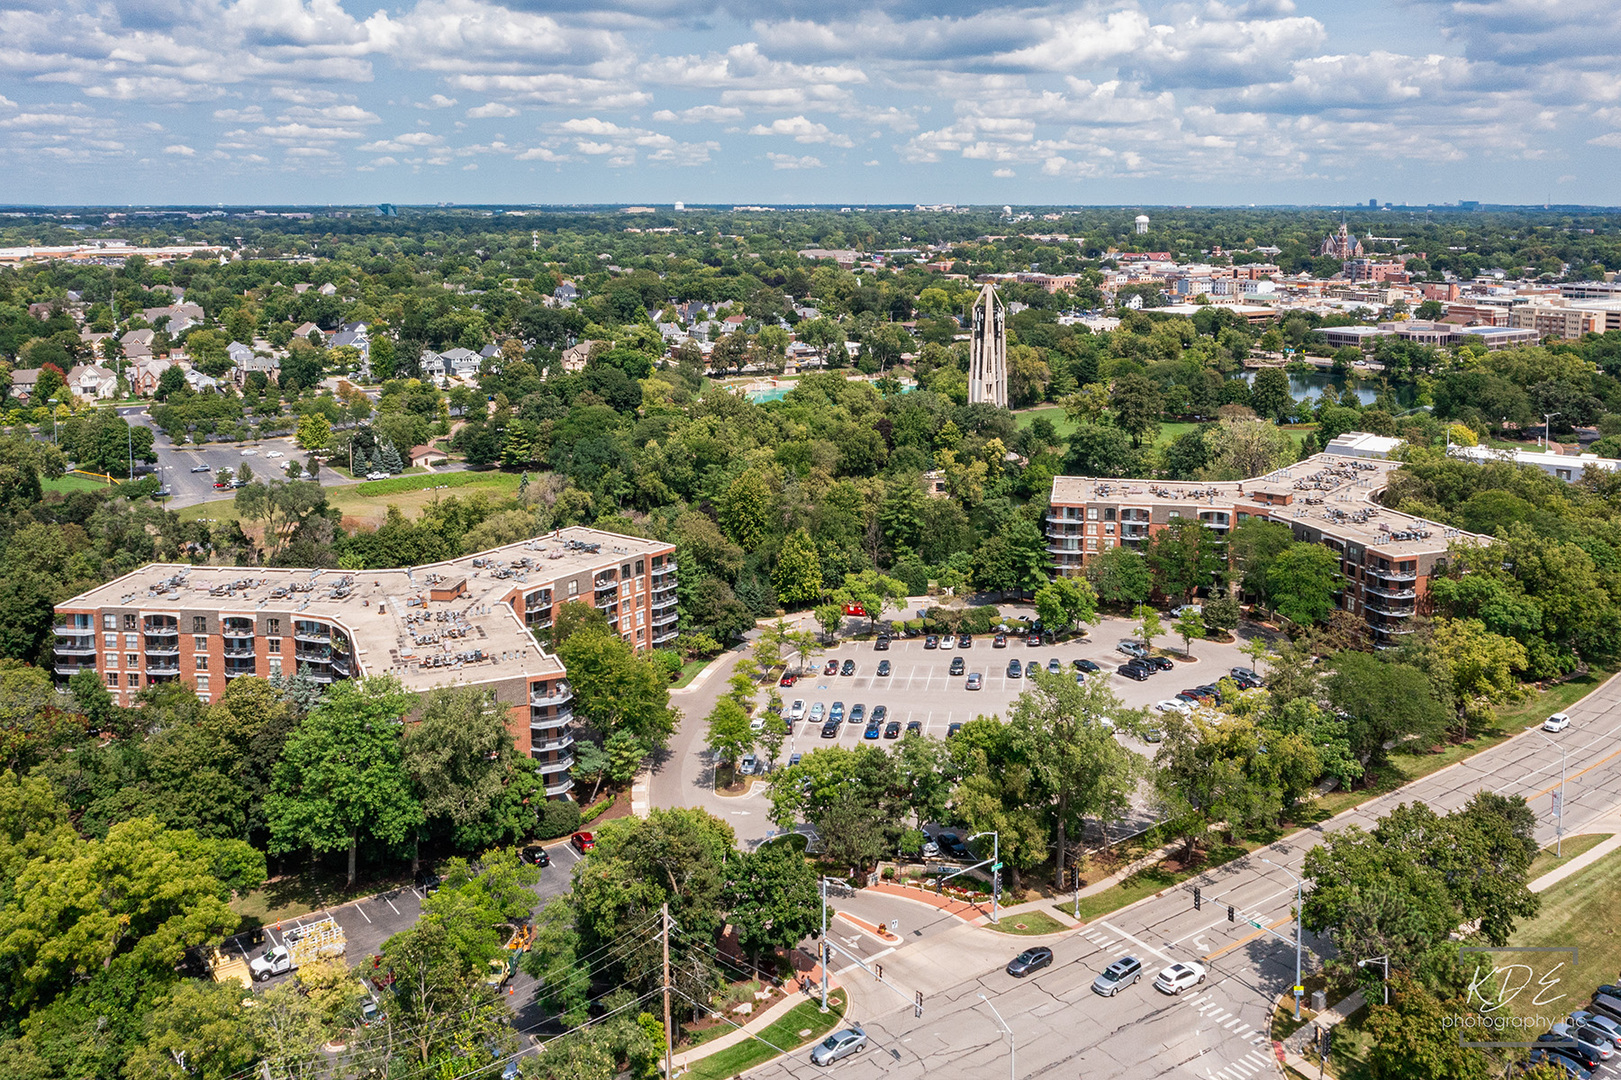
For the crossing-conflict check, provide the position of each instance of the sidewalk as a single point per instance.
(1586, 858)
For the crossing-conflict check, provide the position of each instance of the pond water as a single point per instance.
(1309, 387)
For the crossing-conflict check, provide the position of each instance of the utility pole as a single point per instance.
(1012, 1057)
(669, 1041)
(1559, 797)
(1299, 990)
(822, 941)
(1547, 424)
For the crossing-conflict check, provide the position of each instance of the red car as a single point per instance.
(583, 842)
(788, 680)
(832, 668)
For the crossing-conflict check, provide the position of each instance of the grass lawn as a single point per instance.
(1546, 860)
(368, 503)
(1579, 912)
(1167, 431)
(803, 1024)
(1028, 922)
(1152, 879)
(689, 672)
(68, 483)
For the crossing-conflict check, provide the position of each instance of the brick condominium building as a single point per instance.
(1386, 558)
(464, 622)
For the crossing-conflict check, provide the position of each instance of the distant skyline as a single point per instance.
(778, 101)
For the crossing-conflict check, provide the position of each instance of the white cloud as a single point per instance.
(180, 150)
(789, 161)
(1004, 174)
(802, 130)
(437, 101)
(411, 140)
(698, 114)
(493, 109)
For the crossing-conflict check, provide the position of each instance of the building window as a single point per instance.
(200, 644)
(202, 684)
(641, 617)
(112, 659)
(132, 660)
(275, 627)
(129, 622)
(1174, 513)
(109, 622)
(1091, 513)
(639, 563)
(1108, 513)
(112, 678)
(574, 588)
(133, 679)
(109, 641)
(1109, 528)
(624, 571)
(275, 665)
(275, 644)
(202, 661)
(132, 641)
(199, 624)
(1091, 545)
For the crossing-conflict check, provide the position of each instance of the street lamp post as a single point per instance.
(1012, 1058)
(1298, 886)
(996, 868)
(1559, 846)
(1547, 423)
(1385, 962)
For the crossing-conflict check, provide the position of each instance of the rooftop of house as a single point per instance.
(1328, 492)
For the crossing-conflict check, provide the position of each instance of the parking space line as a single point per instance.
(390, 903)
(362, 911)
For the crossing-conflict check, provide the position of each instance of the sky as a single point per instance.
(831, 101)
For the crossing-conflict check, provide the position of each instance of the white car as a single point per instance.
(947, 641)
(1187, 609)
(377, 476)
(248, 451)
(1174, 705)
(274, 453)
(796, 711)
(747, 766)
(1557, 722)
(1178, 977)
(757, 724)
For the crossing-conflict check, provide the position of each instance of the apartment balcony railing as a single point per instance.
(563, 786)
(562, 765)
(560, 696)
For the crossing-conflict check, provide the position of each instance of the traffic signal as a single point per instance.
(1196, 901)
(1232, 916)
(1327, 1035)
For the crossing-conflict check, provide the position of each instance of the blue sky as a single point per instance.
(315, 101)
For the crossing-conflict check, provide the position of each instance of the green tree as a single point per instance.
(1066, 601)
(1411, 1039)
(341, 775)
(1120, 576)
(614, 688)
(729, 736)
(746, 510)
(1269, 394)
(1384, 702)
(1302, 581)
(460, 758)
(1149, 625)
(314, 432)
(1481, 667)
(199, 1030)
(829, 617)
(1183, 557)
(798, 573)
(1189, 625)
(772, 899)
(1138, 405)
(1221, 612)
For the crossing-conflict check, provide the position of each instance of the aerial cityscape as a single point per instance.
(636, 541)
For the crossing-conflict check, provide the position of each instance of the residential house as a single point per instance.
(200, 382)
(427, 456)
(137, 344)
(304, 330)
(269, 366)
(23, 381)
(238, 353)
(144, 375)
(566, 293)
(455, 363)
(93, 382)
(353, 335)
(180, 316)
(575, 356)
(328, 289)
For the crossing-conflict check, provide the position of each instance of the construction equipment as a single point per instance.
(229, 967)
(505, 966)
(301, 945)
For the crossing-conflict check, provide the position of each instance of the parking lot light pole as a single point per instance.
(1012, 1059)
(1559, 845)
(1298, 886)
(1382, 960)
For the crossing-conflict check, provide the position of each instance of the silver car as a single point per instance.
(1124, 972)
(840, 1044)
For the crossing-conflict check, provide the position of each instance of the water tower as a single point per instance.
(1142, 224)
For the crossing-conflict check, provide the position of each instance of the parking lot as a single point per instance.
(920, 687)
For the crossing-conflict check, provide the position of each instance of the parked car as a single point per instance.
(816, 712)
(965, 641)
(1552, 1056)
(1133, 671)
(849, 668)
(202, 468)
(1030, 961)
(796, 711)
(748, 765)
(873, 730)
(883, 668)
(248, 451)
(858, 713)
(1034, 639)
(1178, 977)
(377, 474)
(955, 727)
(840, 1044)
(1053, 666)
(1124, 972)
(947, 641)
(1244, 682)
(931, 642)
(1245, 673)
(914, 727)
(999, 642)
(1087, 666)
(1597, 1044)
(583, 842)
(882, 644)
(837, 712)
(1601, 1024)
(952, 845)
(930, 849)
(1173, 705)
(957, 665)
(975, 682)
(274, 453)
(1186, 609)
(1014, 671)
(537, 855)
(1585, 1055)
(1132, 648)
(794, 760)
(830, 668)
(1153, 734)
(892, 730)
(1606, 1005)
(1557, 722)
(830, 730)
(1159, 663)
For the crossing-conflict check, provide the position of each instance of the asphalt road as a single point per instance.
(1215, 1032)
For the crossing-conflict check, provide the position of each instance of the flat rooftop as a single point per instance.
(1329, 492)
(470, 636)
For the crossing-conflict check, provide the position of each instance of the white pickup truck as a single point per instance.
(300, 945)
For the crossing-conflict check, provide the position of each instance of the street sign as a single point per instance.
(996, 866)
(1299, 990)
(1257, 924)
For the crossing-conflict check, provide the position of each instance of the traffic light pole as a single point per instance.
(1298, 941)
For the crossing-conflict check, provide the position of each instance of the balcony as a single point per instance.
(163, 650)
(321, 636)
(1134, 532)
(74, 669)
(76, 646)
(660, 639)
(161, 631)
(1395, 612)
(562, 741)
(561, 696)
(238, 672)
(162, 669)
(1060, 549)
(550, 768)
(1391, 594)
(552, 721)
(322, 677)
(563, 786)
(1054, 519)
(240, 651)
(1395, 631)
(304, 656)
(238, 628)
(1392, 575)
